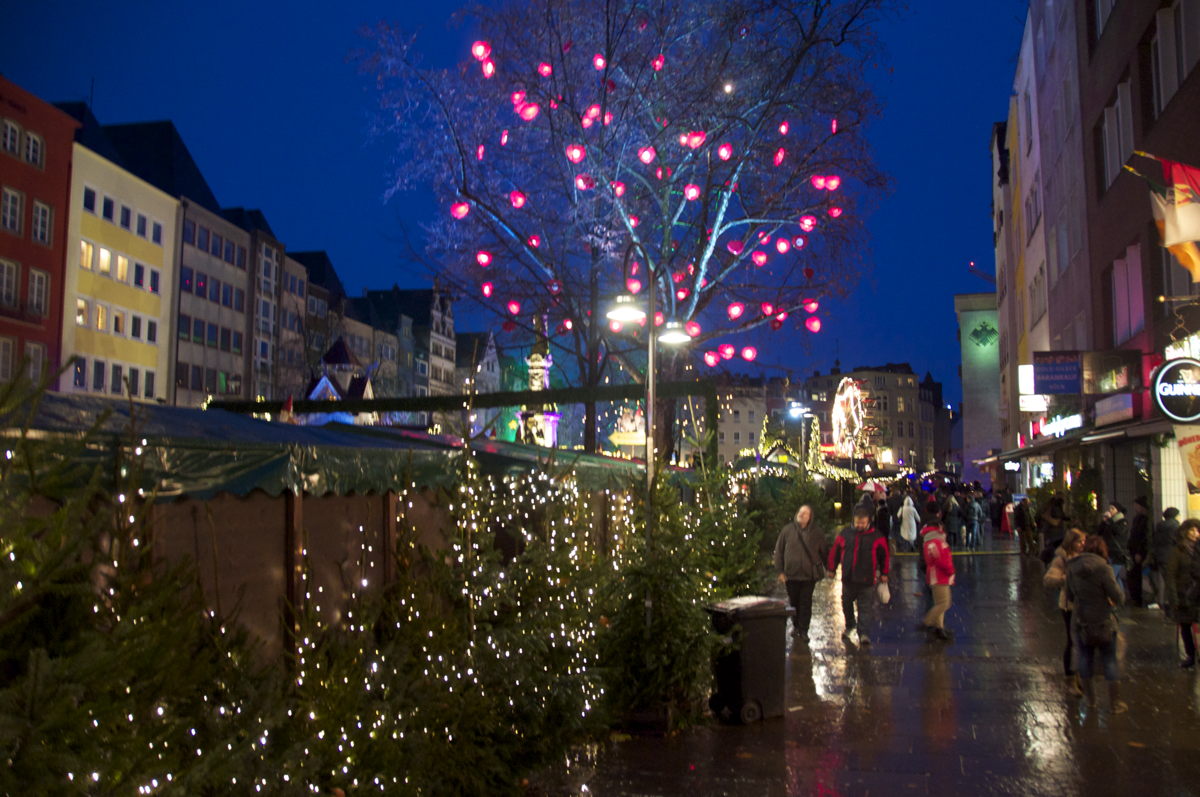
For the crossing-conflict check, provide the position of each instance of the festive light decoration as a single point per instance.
(692, 328)
(615, 326)
(767, 308)
(568, 324)
(576, 152)
(783, 245)
(799, 242)
(726, 351)
(479, 152)
(759, 258)
(534, 240)
(691, 192)
(544, 69)
(599, 62)
(489, 68)
(634, 220)
(781, 316)
(681, 294)
(483, 258)
(808, 223)
(846, 418)
(513, 306)
(833, 126)
(780, 154)
(695, 139)
(503, 137)
(834, 211)
(486, 289)
(517, 199)
(618, 187)
(811, 305)
(659, 318)
(813, 323)
(832, 182)
(529, 111)
(725, 151)
(585, 182)
(735, 310)
(711, 359)
(633, 285)
(818, 181)
(783, 128)
(647, 155)
(735, 247)
(749, 353)
(554, 286)
(658, 62)
(459, 210)
(481, 50)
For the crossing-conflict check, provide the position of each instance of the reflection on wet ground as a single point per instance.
(987, 714)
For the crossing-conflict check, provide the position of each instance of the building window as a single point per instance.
(80, 377)
(7, 355)
(230, 252)
(737, 437)
(239, 300)
(81, 312)
(126, 217)
(104, 262)
(152, 332)
(186, 277)
(214, 290)
(35, 149)
(118, 322)
(227, 295)
(197, 378)
(108, 208)
(10, 211)
(40, 227)
(134, 387)
(39, 292)
(201, 284)
(217, 244)
(118, 381)
(89, 200)
(149, 385)
(241, 258)
(87, 254)
(99, 373)
(141, 225)
(139, 275)
(189, 232)
(1115, 134)
(135, 327)
(213, 334)
(237, 342)
(12, 137)
(156, 237)
(225, 339)
(1128, 310)
(181, 375)
(154, 278)
(122, 274)
(185, 326)
(198, 330)
(202, 238)
(9, 276)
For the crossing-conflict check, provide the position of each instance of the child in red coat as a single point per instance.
(939, 572)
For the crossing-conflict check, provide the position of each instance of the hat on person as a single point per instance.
(1170, 512)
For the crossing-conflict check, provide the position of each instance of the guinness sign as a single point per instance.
(1177, 389)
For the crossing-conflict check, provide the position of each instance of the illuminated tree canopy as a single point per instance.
(711, 151)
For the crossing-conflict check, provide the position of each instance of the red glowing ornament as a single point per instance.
(808, 223)
(808, 273)
(534, 240)
(529, 111)
(781, 317)
(634, 267)
(618, 187)
(568, 324)
(725, 151)
(544, 69)
(503, 137)
(735, 310)
(767, 308)
(726, 350)
(658, 63)
(646, 155)
(799, 242)
(659, 172)
(615, 326)
(634, 220)
(691, 192)
(517, 198)
(818, 181)
(681, 294)
(554, 286)
(683, 139)
(810, 305)
(633, 285)
(659, 318)
(735, 247)
(586, 122)
(833, 126)
(459, 210)
(481, 50)
(608, 117)
(585, 182)
(783, 245)
(710, 359)
(834, 211)
(783, 128)
(599, 62)
(695, 139)
(780, 154)
(518, 98)
(832, 182)
(487, 288)
(760, 258)
(576, 152)
(479, 152)
(514, 307)
(489, 68)
(692, 328)
(813, 324)
(593, 112)
(483, 258)
(677, 277)
(749, 353)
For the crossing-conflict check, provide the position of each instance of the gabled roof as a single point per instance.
(470, 348)
(339, 354)
(155, 152)
(321, 271)
(250, 220)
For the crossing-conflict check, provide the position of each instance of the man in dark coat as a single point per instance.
(1162, 542)
(863, 554)
(800, 554)
(1114, 530)
(1139, 543)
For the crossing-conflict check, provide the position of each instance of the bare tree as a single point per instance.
(711, 151)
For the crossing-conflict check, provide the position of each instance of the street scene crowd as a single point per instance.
(1092, 571)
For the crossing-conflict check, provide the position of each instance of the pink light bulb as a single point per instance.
(810, 305)
(489, 68)
(479, 152)
(544, 69)
(691, 192)
(459, 210)
(813, 323)
(481, 50)
(599, 62)
(780, 154)
(692, 328)
(659, 318)
(695, 139)
(749, 353)
(735, 310)
(593, 111)
(483, 258)
(576, 152)
(833, 126)
(710, 359)
(514, 307)
(681, 294)
(618, 187)
(487, 288)
(759, 258)
(585, 182)
(633, 285)
(529, 111)
(808, 223)
(725, 151)
(634, 220)
(783, 245)
(658, 63)
(818, 181)
(799, 242)
(534, 240)
(735, 247)
(517, 198)
(503, 137)
(834, 211)
(832, 182)
(615, 326)
(726, 350)
(647, 155)
(767, 308)
(783, 128)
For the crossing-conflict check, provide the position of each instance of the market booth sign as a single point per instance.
(1177, 389)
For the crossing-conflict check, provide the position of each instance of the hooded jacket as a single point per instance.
(1092, 588)
(1162, 541)
(910, 520)
(800, 553)
(939, 562)
(1183, 573)
(863, 555)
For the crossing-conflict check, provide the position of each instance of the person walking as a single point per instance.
(863, 555)
(939, 575)
(952, 519)
(1183, 587)
(1025, 527)
(1162, 543)
(800, 554)
(1139, 543)
(1114, 530)
(1092, 590)
(910, 524)
(1056, 578)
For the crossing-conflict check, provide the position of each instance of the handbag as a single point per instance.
(885, 594)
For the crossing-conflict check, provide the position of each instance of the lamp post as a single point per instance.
(797, 411)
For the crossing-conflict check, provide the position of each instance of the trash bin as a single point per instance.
(750, 675)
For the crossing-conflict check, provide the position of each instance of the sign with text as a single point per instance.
(1057, 372)
(1177, 389)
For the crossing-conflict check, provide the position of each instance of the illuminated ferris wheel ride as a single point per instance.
(846, 418)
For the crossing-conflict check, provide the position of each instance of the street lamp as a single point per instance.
(797, 411)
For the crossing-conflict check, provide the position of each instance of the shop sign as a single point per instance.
(1060, 425)
(1188, 440)
(1115, 408)
(1057, 372)
(1177, 389)
(1012, 466)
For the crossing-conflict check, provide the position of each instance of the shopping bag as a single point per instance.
(885, 594)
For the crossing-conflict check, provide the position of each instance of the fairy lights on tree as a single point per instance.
(709, 140)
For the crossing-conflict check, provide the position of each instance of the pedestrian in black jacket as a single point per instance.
(1139, 543)
(1162, 543)
(1092, 590)
(863, 555)
(1114, 530)
(1183, 587)
(800, 555)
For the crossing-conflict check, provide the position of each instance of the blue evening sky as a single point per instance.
(276, 115)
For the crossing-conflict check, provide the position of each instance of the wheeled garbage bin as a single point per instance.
(750, 673)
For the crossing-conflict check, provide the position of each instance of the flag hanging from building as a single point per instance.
(1176, 207)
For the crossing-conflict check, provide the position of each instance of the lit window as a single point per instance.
(81, 312)
(122, 268)
(105, 261)
(87, 254)
(101, 318)
(80, 377)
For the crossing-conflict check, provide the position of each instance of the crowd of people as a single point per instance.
(1124, 560)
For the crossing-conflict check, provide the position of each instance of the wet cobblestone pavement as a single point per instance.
(987, 714)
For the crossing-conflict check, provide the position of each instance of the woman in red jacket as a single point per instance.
(939, 572)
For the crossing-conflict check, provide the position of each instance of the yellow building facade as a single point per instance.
(119, 283)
